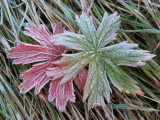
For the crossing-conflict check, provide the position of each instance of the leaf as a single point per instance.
(72, 40)
(68, 69)
(48, 53)
(87, 27)
(104, 60)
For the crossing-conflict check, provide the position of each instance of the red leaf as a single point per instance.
(46, 51)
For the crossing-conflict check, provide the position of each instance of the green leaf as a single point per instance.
(103, 60)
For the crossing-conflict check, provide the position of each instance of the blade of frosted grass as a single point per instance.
(154, 71)
(14, 97)
(9, 104)
(131, 106)
(153, 14)
(78, 112)
(134, 23)
(42, 4)
(97, 11)
(143, 30)
(11, 19)
(135, 12)
(24, 13)
(51, 108)
(78, 4)
(4, 42)
(149, 92)
(1, 14)
(4, 114)
(69, 14)
(132, 4)
(111, 4)
(57, 14)
(3, 108)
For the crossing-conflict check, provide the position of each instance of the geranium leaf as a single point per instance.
(35, 77)
(103, 60)
(122, 81)
(38, 34)
(71, 40)
(48, 53)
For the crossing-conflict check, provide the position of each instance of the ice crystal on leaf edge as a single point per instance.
(62, 68)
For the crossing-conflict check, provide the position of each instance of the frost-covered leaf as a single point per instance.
(38, 34)
(103, 60)
(69, 67)
(122, 81)
(48, 53)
